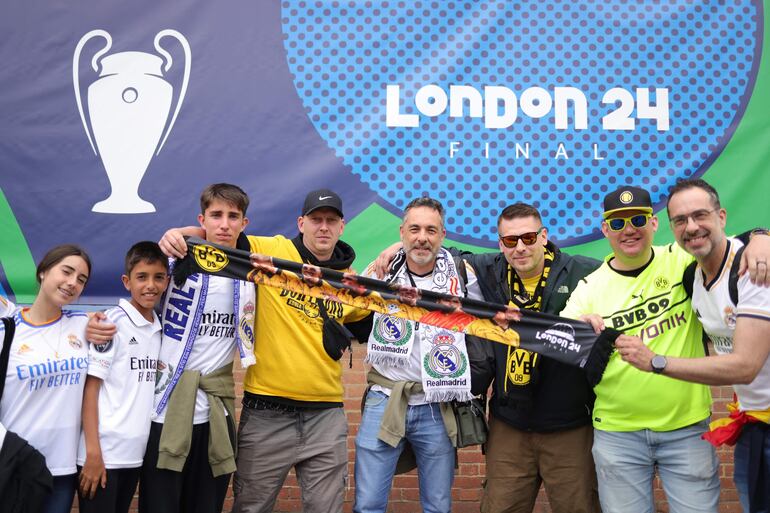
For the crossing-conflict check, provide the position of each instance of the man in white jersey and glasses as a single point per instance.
(739, 328)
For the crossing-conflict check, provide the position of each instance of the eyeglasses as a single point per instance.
(529, 238)
(617, 224)
(698, 216)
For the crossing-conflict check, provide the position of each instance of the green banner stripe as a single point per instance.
(15, 256)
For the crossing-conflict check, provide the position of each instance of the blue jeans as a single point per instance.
(60, 500)
(376, 460)
(687, 465)
(741, 461)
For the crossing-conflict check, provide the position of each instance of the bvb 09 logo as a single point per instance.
(210, 258)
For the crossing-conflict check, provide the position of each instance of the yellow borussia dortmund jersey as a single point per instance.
(291, 361)
(655, 307)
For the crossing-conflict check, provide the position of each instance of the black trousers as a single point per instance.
(194, 490)
(116, 497)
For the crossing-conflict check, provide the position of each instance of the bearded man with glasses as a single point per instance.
(736, 316)
(645, 420)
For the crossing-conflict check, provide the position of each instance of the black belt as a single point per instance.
(261, 404)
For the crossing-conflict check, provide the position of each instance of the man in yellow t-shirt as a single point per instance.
(292, 407)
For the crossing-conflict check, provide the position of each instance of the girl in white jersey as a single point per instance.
(47, 370)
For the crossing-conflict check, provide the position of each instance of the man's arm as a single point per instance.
(94, 474)
(173, 244)
(751, 346)
(755, 260)
(480, 351)
(381, 265)
(98, 330)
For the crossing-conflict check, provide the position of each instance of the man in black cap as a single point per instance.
(292, 407)
(644, 421)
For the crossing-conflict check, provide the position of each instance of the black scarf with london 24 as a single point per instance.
(564, 340)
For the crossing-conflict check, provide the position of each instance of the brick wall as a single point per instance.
(404, 497)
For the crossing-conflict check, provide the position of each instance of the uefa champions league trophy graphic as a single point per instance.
(128, 108)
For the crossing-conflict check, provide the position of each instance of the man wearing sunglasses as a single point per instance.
(736, 320)
(645, 420)
(540, 411)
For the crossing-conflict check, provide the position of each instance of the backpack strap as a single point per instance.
(688, 278)
(10, 330)
(732, 280)
(462, 272)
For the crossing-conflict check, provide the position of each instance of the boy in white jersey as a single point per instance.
(190, 453)
(120, 387)
(738, 327)
(191, 449)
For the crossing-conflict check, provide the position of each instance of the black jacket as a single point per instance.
(562, 398)
(25, 482)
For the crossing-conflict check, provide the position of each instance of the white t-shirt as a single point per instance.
(127, 365)
(214, 347)
(413, 370)
(44, 387)
(6, 307)
(715, 309)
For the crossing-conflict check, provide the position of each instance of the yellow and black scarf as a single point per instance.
(521, 371)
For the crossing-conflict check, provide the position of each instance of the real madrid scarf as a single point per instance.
(565, 340)
(186, 300)
(443, 356)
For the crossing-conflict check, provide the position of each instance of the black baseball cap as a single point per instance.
(627, 198)
(322, 198)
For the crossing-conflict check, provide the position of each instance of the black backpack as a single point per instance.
(5, 352)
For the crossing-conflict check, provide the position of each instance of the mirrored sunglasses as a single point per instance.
(617, 224)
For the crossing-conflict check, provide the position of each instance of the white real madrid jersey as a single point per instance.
(127, 367)
(214, 347)
(44, 387)
(715, 309)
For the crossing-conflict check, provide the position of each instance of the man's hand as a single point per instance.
(172, 243)
(595, 320)
(635, 352)
(382, 263)
(755, 260)
(93, 475)
(98, 331)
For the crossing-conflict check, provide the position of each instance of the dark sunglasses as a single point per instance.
(638, 221)
(529, 238)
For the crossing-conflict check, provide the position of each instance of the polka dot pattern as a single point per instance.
(343, 54)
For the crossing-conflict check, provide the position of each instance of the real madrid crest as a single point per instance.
(730, 317)
(392, 330)
(74, 341)
(445, 360)
(246, 325)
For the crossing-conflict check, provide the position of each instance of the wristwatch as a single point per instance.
(759, 231)
(658, 363)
